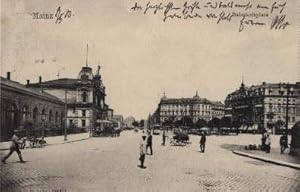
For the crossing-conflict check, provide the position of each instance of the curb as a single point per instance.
(268, 160)
(5, 149)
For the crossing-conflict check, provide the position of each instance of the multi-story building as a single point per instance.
(128, 121)
(84, 97)
(217, 109)
(298, 101)
(21, 106)
(195, 108)
(263, 105)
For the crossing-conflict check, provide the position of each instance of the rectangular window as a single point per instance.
(83, 113)
(83, 123)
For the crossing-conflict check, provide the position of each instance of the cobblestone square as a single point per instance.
(111, 164)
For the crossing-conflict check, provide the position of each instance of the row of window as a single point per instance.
(83, 123)
(185, 106)
(293, 119)
(282, 109)
(184, 113)
(26, 114)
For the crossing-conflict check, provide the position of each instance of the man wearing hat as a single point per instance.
(143, 151)
(14, 147)
(202, 142)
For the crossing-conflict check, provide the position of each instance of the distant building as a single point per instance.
(195, 108)
(263, 104)
(119, 119)
(21, 106)
(128, 121)
(217, 109)
(84, 97)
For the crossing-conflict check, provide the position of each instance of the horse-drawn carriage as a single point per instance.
(180, 139)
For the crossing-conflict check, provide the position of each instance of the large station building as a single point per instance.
(45, 104)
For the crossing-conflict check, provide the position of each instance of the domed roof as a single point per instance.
(86, 73)
(164, 97)
(196, 96)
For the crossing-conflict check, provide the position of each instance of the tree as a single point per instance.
(169, 121)
(142, 123)
(135, 123)
(279, 124)
(226, 122)
(187, 121)
(201, 123)
(215, 122)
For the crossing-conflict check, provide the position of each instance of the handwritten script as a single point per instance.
(243, 14)
(58, 16)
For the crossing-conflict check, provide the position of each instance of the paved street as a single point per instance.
(110, 164)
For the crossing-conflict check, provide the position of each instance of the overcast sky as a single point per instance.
(142, 56)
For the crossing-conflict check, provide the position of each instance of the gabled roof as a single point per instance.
(13, 85)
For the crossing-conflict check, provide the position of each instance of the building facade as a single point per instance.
(196, 108)
(264, 105)
(21, 105)
(84, 98)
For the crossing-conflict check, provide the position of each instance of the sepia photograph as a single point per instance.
(150, 95)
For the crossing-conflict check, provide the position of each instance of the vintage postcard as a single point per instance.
(150, 95)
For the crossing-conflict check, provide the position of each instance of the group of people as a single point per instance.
(147, 143)
(266, 142)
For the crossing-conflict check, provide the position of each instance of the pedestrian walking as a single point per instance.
(268, 143)
(149, 143)
(164, 137)
(143, 151)
(14, 147)
(202, 142)
(283, 143)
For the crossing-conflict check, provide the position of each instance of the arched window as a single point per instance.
(35, 114)
(56, 116)
(43, 115)
(24, 113)
(61, 119)
(50, 116)
(84, 97)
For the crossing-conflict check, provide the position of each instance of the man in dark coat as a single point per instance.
(164, 137)
(14, 147)
(283, 143)
(202, 142)
(149, 143)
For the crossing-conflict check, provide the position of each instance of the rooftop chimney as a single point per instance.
(8, 75)
(40, 79)
(28, 81)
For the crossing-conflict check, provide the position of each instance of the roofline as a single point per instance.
(39, 95)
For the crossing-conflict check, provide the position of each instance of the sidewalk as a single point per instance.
(274, 157)
(54, 140)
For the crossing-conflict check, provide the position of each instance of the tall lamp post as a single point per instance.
(66, 113)
(289, 92)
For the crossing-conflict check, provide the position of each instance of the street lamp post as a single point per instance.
(66, 113)
(289, 92)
